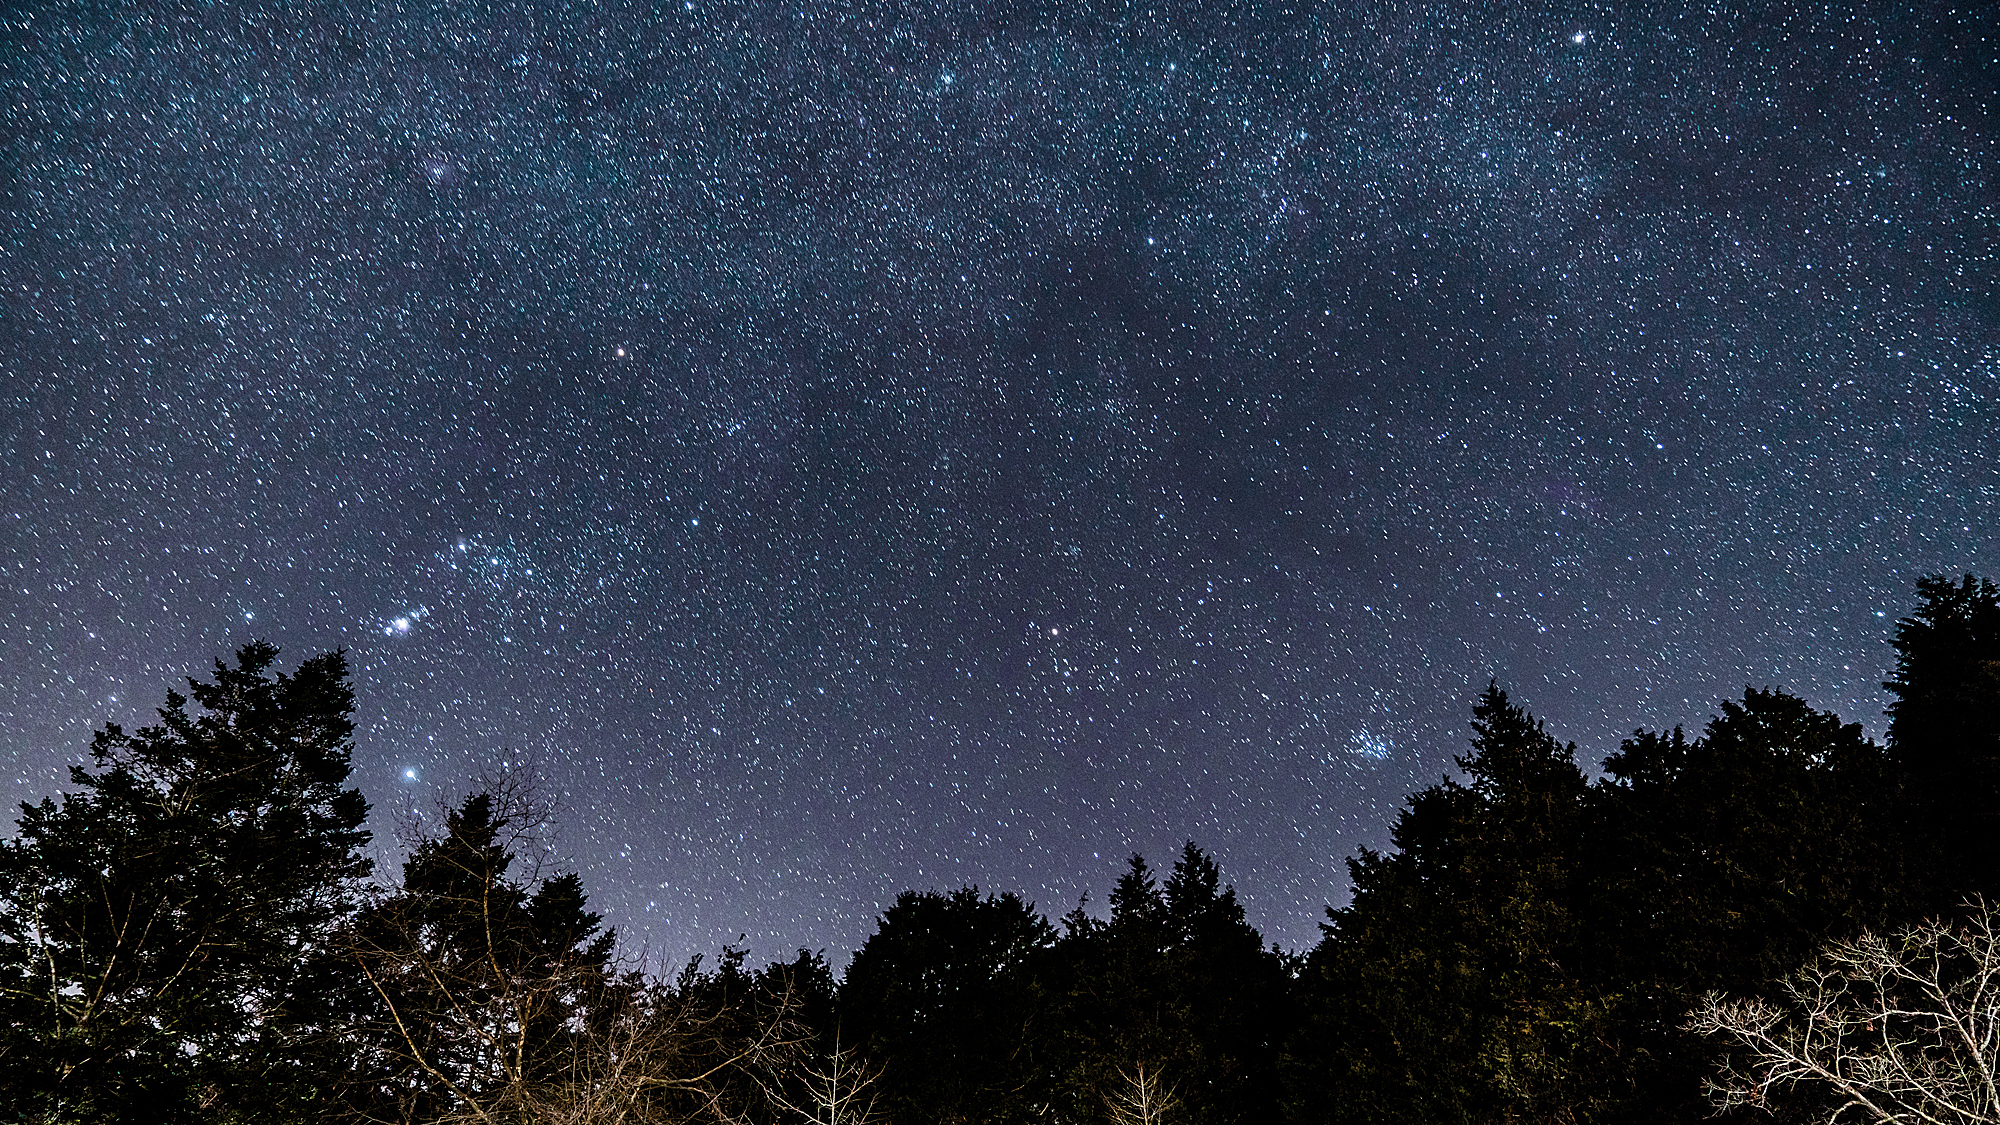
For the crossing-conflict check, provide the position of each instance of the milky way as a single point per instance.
(849, 449)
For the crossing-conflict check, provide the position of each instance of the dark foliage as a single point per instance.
(166, 928)
(944, 996)
(977, 1012)
(1452, 988)
(1721, 864)
(1532, 947)
(1944, 732)
(752, 1035)
(475, 987)
(185, 937)
(1176, 986)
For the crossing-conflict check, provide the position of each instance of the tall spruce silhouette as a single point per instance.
(1944, 733)
(1451, 989)
(488, 986)
(165, 926)
(1175, 995)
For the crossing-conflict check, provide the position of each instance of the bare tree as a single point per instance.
(1143, 1100)
(1903, 1029)
(838, 1090)
(662, 1062)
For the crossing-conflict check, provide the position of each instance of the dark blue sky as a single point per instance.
(850, 449)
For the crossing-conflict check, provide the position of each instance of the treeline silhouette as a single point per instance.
(193, 934)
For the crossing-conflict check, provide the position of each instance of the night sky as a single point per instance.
(849, 449)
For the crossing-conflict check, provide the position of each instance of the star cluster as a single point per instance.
(849, 448)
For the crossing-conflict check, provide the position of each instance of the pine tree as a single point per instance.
(1944, 734)
(1388, 996)
(942, 997)
(165, 927)
(487, 996)
(1233, 993)
(1720, 863)
(1452, 988)
(1174, 998)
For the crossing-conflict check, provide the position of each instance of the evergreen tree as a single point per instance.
(165, 927)
(1387, 996)
(1234, 992)
(942, 996)
(1722, 863)
(1453, 987)
(1175, 995)
(758, 1038)
(1944, 733)
(487, 996)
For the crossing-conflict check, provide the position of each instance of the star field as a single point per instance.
(848, 449)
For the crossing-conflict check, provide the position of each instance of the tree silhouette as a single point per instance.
(1453, 988)
(1176, 987)
(942, 997)
(1944, 733)
(486, 987)
(164, 928)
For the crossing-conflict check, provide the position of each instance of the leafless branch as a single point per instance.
(1143, 1100)
(1903, 1029)
(838, 1090)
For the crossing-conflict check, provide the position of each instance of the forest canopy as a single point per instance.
(192, 932)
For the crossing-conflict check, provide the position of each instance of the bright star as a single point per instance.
(401, 623)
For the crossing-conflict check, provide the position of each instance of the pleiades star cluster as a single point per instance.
(844, 448)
